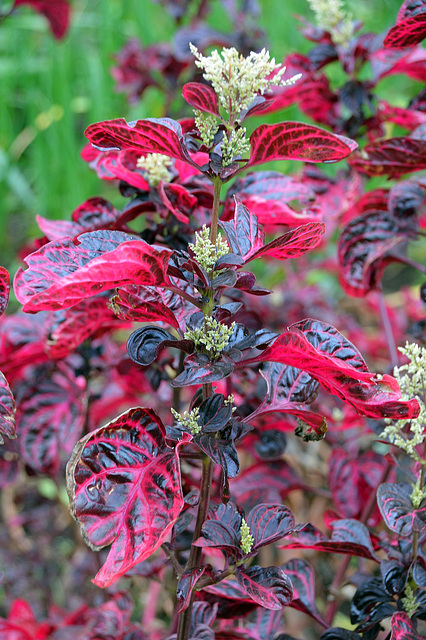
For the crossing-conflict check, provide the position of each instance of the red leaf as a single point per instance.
(403, 628)
(410, 28)
(62, 274)
(148, 304)
(393, 157)
(201, 97)
(319, 349)
(4, 289)
(187, 582)
(245, 237)
(147, 136)
(50, 418)
(293, 244)
(269, 587)
(297, 141)
(57, 13)
(7, 410)
(125, 490)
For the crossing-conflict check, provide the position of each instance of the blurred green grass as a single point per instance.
(52, 90)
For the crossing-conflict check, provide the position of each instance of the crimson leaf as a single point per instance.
(319, 349)
(403, 628)
(396, 507)
(125, 490)
(146, 136)
(410, 28)
(297, 141)
(7, 410)
(201, 97)
(60, 274)
(4, 289)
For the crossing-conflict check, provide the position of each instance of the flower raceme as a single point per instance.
(238, 85)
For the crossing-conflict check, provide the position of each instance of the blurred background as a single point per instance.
(53, 89)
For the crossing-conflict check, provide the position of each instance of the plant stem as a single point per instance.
(195, 555)
(194, 562)
(215, 211)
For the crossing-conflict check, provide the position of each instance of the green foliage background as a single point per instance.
(52, 90)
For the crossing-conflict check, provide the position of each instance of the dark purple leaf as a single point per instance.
(269, 587)
(319, 349)
(268, 523)
(337, 633)
(371, 604)
(419, 572)
(222, 452)
(199, 370)
(392, 157)
(394, 576)
(302, 578)
(61, 274)
(4, 289)
(214, 413)
(125, 490)
(201, 97)
(144, 345)
(7, 410)
(297, 141)
(394, 500)
(403, 628)
(50, 418)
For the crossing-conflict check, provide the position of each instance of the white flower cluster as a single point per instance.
(188, 420)
(247, 539)
(156, 167)
(207, 125)
(213, 335)
(236, 145)
(331, 16)
(205, 251)
(411, 378)
(238, 80)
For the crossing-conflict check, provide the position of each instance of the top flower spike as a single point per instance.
(238, 85)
